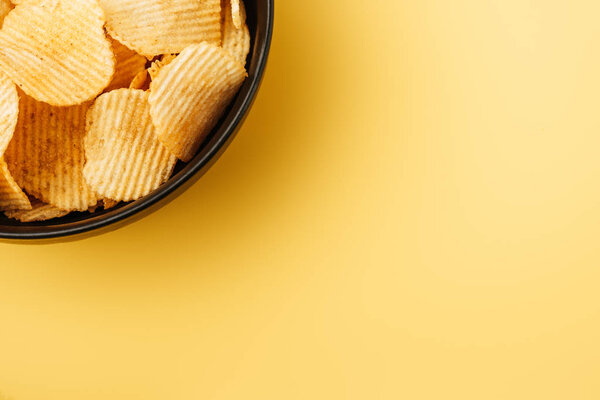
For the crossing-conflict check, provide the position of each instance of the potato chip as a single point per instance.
(57, 51)
(153, 27)
(158, 65)
(129, 65)
(39, 212)
(125, 160)
(9, 111)
(46, 154)
(236, 13)
(235, 40)
(190, 95)
(11, 195)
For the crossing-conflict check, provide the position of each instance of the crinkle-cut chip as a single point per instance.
(46, 155)
(153, 27)
(158, 65)
(190, 95)
(236, 13)
(9, 111)
(57, 51)
(140, 80)
(125, 160)
(235, 40)
(12, 196)
(5, 7)
(129, 65)
(39, 212)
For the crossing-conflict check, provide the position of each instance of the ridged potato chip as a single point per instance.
(39, 212)
(9, 111)
(46, 155)
(125, 160)
(57, 51)
(129, 65)
(11, 195)
(190, 95)
(154, 27)
(235, 40)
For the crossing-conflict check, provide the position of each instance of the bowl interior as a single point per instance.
(260, 23)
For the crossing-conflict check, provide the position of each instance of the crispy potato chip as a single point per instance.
(125, 160)
(159, 64)
(9, 111)
(191, 94)
(129, 65)
(140, 80)
(236, 13)
(46, 154)
(235, 40)
(39, 212)
(153, 27)
(57, 51)
(11, 195)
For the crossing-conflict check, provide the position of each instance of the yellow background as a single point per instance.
(412, 210)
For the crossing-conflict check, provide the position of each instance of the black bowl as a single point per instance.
(76, 225)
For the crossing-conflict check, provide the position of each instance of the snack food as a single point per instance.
(100, 98)
(46, 155)
(125, 160)
(56, 50)
(153, 27)
(203, 77)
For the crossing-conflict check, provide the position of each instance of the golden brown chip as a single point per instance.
(153, 27)
(190, 95)
(235, 40)
(9, 111)
(46, 154)
(40, 211)
(57, 51)
(11, 195)
(129, 65)
(125, 160)
(158, 65)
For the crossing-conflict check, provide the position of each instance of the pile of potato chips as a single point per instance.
(100, 98)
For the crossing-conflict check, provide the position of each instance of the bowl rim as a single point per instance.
(193, 170)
